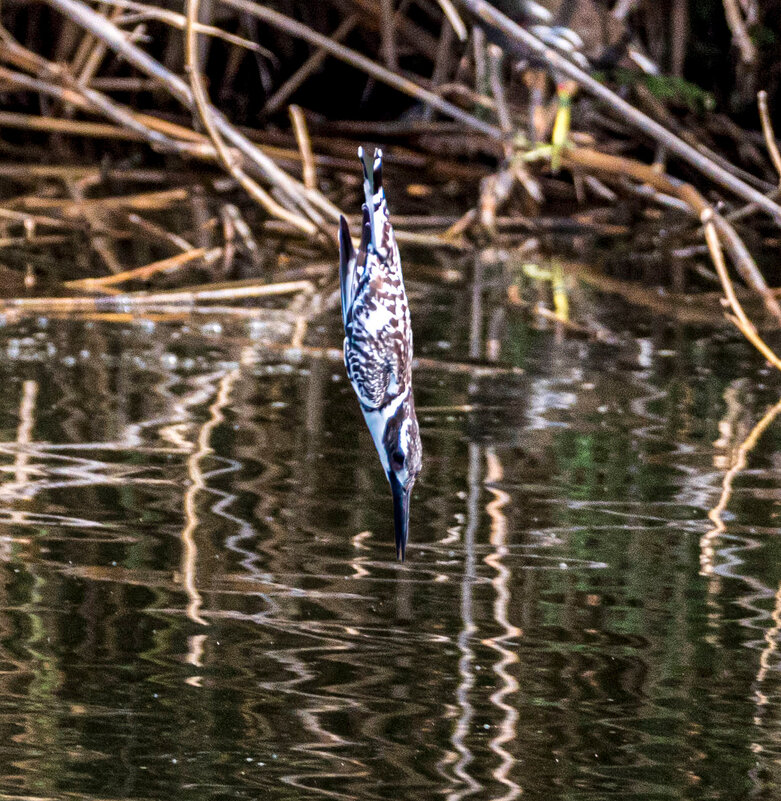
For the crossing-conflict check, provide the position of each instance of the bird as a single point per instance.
(378, 343)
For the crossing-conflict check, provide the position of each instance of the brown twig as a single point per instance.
(741, 321)
(238, 223)
(180, 21)
(617, 165)
(236, 290)
(163, 234)
(716, 230)
(452, 16)
(748, 53)
(388, 35)
(768, 133)
(164, 266)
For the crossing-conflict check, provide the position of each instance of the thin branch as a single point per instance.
(714, 225)
(748, 53)
(742, 322)
(179, 21)
(767, 131)
(184, 299)
(308, 68)
(452, 16)
(388, 35)
(92, 100)
(164, 266)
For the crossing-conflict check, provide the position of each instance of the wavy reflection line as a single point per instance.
(40, 466)
(463, 756)
(771, 646)
(708, 540)
(197, 484)
(195, 648)
(178, 415)
(25, 430)
(23, 472)
(507, 729)
(172, 423)
(761, 700)
(311, 708)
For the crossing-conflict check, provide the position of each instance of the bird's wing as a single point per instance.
(352, 266)
(378, 349)
(346, 267)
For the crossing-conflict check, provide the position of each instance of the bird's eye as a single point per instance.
(397, 460)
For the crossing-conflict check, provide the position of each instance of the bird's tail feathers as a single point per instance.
(374, 193)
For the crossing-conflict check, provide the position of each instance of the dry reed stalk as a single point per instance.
(179, 21)
(157, 231)
(144, 201)
(741, 321)
(232, 214)
(94, 101)
(162, 267)
(618, 165)
(452, 16)
(748, 53)
(442, 64)
(96, 230)
(304, 142)
(309, 67)
(81, 128)
(231, 164)
(388, 35)
(25, 218)
(183, 298)
(768, 133)
(31, 241)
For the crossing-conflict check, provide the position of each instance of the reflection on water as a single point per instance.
(199, 595)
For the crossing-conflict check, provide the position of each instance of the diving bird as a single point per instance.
(378, 343)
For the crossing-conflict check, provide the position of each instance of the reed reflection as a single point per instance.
(507, 656)
(463, 756)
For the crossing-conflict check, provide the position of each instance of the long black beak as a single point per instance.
(400, 514)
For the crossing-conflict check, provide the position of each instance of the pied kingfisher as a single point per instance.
(378, 343)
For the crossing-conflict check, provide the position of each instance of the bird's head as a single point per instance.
(402, 461)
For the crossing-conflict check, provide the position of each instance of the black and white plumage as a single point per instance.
(378, 343)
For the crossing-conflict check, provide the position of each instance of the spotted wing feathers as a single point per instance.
(378, 343)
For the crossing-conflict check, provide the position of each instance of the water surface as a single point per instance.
(199, 596)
